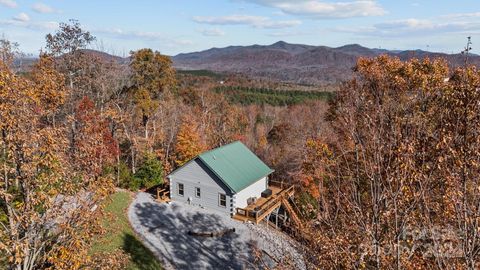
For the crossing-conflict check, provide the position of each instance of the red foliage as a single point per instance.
(94, 142)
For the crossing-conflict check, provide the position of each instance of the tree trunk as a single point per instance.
(145, 125)
(132, 152)
(118, 169)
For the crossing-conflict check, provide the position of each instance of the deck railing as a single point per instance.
(259, 212)
(278, 184)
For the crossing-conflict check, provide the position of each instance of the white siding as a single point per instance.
(195, 174)
(254, 190)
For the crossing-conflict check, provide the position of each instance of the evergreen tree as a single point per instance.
(150, 173)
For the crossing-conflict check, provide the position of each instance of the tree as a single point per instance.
(150, 173)
(152, 75)
(69, 39)
(317, 157)
(66, 44)
(383, 174)
(188, 143)
(8, 51)
(49, 193)
(51, 93)
(92, 144)
(458, 158)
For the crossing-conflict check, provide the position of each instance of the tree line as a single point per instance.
(250, 95)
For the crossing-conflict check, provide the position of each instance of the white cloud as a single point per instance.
(426, 26)
(119, 33)
(214, 32)
(255, 21)
(42, 8)
(412, 26)
(42, 26)
(407, 24)
(22, 17)
(325, 10)
(461, 16)
(146, 36)
(8, 3)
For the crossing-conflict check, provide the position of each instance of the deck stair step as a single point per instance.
(292, 213)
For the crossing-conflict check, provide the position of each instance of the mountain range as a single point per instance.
(281, 61)
(297, 63)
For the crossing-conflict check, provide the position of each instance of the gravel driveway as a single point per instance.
(163, 229)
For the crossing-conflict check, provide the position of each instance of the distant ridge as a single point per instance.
(296, 63)
(281, 61)
(26, 62)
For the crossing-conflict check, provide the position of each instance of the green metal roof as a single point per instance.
(235, 165)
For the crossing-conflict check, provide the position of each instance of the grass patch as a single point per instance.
(248, 95)
(120, 236)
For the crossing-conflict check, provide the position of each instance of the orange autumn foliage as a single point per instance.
(51, 178)
(316, 154)
(188, 143)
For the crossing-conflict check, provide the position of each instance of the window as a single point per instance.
(197, 192)
(180, 189)
(222, 200)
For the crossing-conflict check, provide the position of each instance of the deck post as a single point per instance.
(276, 218)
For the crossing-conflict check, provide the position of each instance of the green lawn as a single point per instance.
(120, 236)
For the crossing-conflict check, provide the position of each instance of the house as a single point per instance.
(221, 179)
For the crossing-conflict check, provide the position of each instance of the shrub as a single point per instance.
(125, 176)
(149, 174)
(308, 205)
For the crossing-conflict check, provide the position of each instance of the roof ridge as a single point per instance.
(218, 148)
(199, 156)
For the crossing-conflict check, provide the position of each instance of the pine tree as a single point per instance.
(150, 173)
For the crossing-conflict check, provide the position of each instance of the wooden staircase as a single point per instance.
(259, 213)
(291, 212)
(268, 211)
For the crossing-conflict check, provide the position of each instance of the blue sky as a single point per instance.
(174, 26)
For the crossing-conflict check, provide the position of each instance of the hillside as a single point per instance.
(295, 63)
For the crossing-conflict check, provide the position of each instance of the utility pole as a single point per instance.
(467, 49)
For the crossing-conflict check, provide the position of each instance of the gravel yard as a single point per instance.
(164, 229)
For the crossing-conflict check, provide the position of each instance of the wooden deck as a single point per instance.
(260, 201)
(264, 206)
